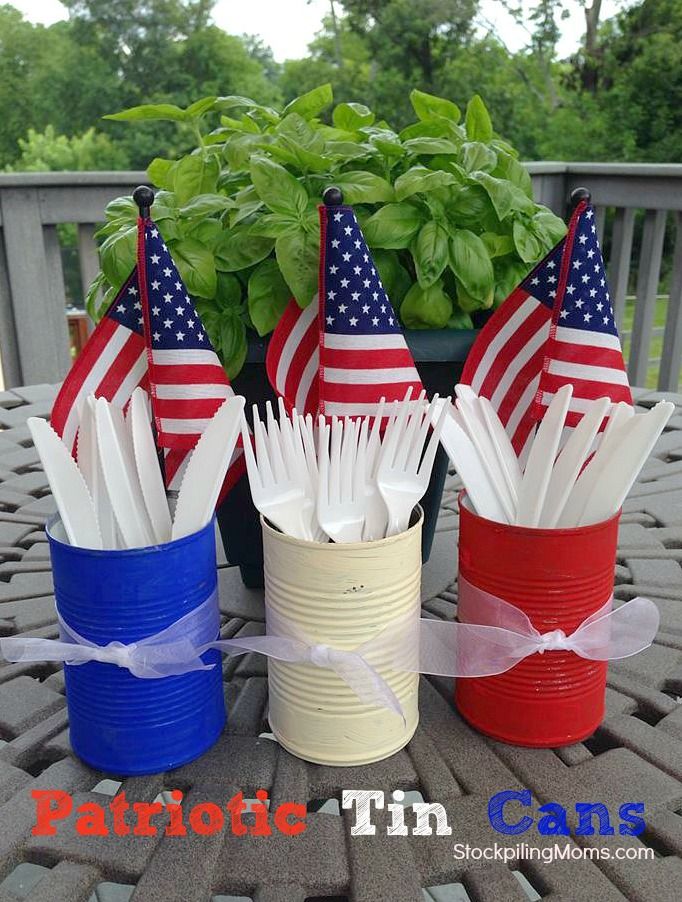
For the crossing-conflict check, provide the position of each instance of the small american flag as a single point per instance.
(345, 351)
(151, 336)
(556, 327)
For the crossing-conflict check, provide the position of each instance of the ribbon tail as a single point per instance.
(628, 630)
(369, 686)
(453, 649)
(281, 648)
(20, 649)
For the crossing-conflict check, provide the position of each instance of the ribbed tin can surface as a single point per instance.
(558, 578)
(342, 596)
(118, 722)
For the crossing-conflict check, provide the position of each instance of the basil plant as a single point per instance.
(445, 205)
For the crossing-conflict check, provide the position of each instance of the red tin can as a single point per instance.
(558, 578)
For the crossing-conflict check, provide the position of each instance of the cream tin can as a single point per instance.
(342, 596)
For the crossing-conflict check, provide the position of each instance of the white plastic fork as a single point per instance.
(401, 478)
(307, 433)
(293, 453)
(341, 484)
(275, 494)
(376, 513)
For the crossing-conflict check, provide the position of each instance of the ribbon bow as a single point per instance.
(357, 667)
(175, 650)
(494, 635)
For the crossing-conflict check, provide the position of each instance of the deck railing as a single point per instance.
(639, 216)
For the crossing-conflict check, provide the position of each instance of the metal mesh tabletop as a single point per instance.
(636, 753)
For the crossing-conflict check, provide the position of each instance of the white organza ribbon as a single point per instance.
(358, 667)
(494, 635)
(173, 651)
(492, 638)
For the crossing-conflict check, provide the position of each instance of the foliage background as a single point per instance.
(617, 98)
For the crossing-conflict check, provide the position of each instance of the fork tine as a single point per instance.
(260, 435)
(430, 455)
(396, 427)
(348, 454)
(374, 440)
(335, 462)
(360, 469)
(418, 444)
(323, 469)
(275, 445)
(411, 427)
(255, 480)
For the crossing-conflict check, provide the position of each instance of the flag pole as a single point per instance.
(144, 198)
(332, 196)
(576, 196)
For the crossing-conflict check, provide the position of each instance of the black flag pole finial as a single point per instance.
(578, 195)
(144, 198)
(332, 196)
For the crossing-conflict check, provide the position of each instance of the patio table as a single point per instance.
(635, 755)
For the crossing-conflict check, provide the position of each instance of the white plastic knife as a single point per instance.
(206, 469)
(541, 459)
(68, 487)
(120, 477)
(89, 464)
(625, 462)
(147, 463)
(570, 461)
(616, 431)
(463, 454)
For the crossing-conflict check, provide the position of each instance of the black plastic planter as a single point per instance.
(439, 357)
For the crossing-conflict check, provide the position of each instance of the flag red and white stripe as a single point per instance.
(151, 336)
(556, 327)
(344, 352)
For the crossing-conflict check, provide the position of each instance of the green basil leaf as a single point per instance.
(240, 148)
(469, 304)
(161, 173)
(477, 121)
(228, 291)
(476, 155)
(459, 319)
(233, 344)
(551, 227)
(509, 273)
(277, 188)
(360, 187)
(509, 168)
(312, 103)
(470, 262)
(195, 174)
(500, 193)
(393, 226)
(430, 252)
(304, 159)
(298, 256)
(268, 296)
(498, 245)
(238, 248)
(431, 146)
(199, 107)
(420, 180)
(122, 208)
(150, 111)
(394, 277)
(470, 206)
(426, 308)
(352, 116)
(196, 266)
(526, 242)
(118, 255)
(272, 225)
(92, 298)
(426, 106)
(206, 205)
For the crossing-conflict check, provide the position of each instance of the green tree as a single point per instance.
(47, 151)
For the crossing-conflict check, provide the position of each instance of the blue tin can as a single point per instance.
(120, 723)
